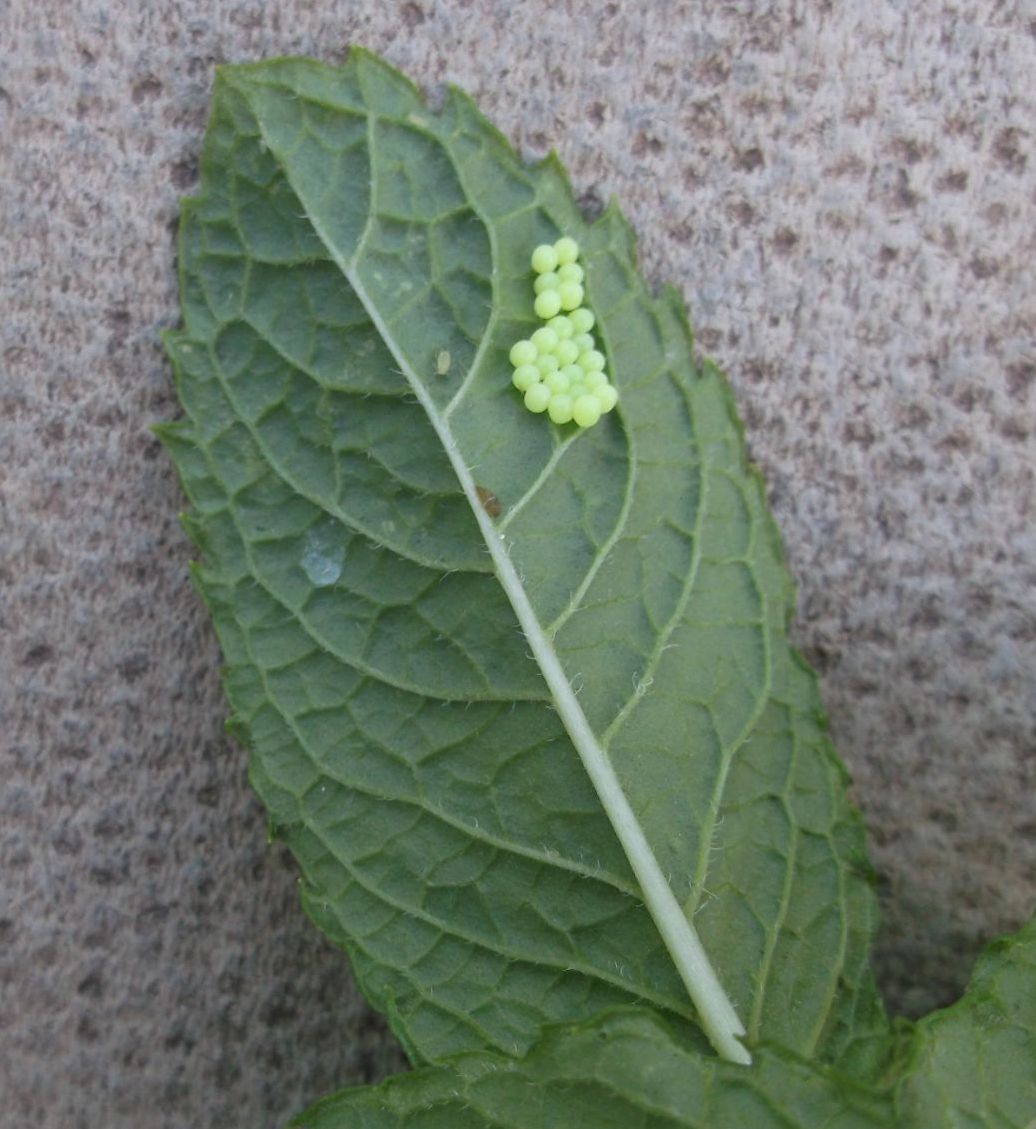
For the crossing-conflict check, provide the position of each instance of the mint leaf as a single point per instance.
(427, 689)
(974, 1064)
(621, 1071)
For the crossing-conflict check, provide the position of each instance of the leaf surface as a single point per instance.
(425, 687)
(620, 1071)
(972, 1066)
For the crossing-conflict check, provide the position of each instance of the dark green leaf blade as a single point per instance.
(620, 1071)
(406, 743)
(973, 1066)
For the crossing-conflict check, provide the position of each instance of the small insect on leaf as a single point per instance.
(442, 363)
(490, 502)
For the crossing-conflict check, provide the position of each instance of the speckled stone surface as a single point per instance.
(846, 195)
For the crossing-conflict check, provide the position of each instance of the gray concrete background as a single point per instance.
(845, 194)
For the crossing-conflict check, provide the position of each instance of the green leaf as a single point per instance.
(428, 690)
(973, 1066)
(621, 1071)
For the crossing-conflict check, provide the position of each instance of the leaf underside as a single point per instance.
(623, 1070)
(972, 1066)
(404, 739)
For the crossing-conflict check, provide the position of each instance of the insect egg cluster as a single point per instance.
(559, 369)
